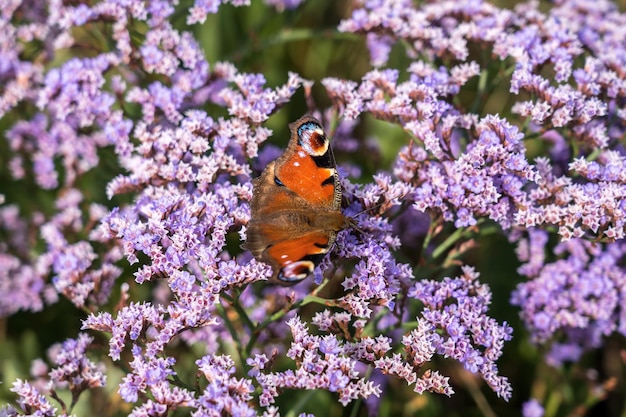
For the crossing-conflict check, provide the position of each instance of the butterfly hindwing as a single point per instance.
(298, 256)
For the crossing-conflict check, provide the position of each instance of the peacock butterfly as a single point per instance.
(296, 205)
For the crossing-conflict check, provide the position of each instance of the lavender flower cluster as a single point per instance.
(73, 371)
(578, 295)
(182, 135)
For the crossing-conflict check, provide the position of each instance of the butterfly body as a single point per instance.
(296, 205)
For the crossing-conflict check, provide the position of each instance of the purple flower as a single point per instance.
(31, 401)
(73, 368)
(457, 308)
(150, 375)
(318, 367)
(27, 293)
(578, 296)
(197, 13)
(532, 408)
(379, 47)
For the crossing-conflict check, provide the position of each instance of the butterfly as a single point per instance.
(296, 205)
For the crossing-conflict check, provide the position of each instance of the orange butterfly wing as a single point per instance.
(296, 205)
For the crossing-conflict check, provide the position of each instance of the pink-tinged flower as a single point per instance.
(150, 376)
(321, 363)
(454, 324)
(438, 29)
(30, 401)
(553, 39)
(74, 369)
(593, 205)
(225, 394)
(21, 287)
(200, 8)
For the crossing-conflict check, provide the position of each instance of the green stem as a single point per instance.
(231, 329)
(448, 243)
(482, 86)
(429, 235)
(315, 299)
(300, 404)
(242, 313)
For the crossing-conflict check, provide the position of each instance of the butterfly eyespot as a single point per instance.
(278, 182)
(312, 138)
(296, 271)
(309, 127)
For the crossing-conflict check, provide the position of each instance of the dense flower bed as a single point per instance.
(127, 166)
